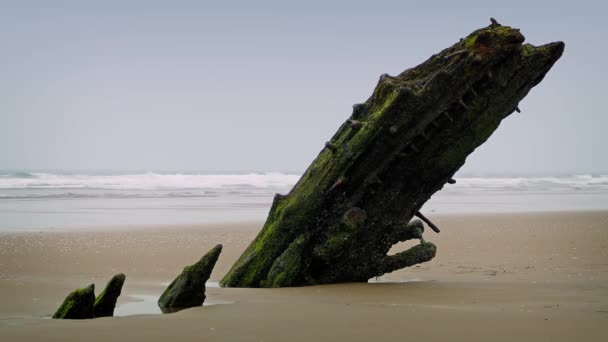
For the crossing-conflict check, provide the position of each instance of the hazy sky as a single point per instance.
(254, 85)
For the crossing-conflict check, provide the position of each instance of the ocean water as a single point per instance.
(33, 201)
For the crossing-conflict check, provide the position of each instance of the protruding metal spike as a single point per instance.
(494, 22)
(451, 181)
(358, 110)
(279, 197)
(461, 101)
(338, 183)
(330, 146)
(455, 53)
(517, 109)
(447, 115)
(355, 124)
(358, 106)
(428, 222)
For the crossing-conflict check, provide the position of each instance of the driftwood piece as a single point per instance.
(78, 304)
(396, 150)
(106, 301)
(188, 288)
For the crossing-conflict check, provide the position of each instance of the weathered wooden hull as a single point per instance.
(396, 150)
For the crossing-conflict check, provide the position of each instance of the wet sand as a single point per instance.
(497, 277)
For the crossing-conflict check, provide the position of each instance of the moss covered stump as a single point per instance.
(356, 199)
(78, 304)
(188, 289)
(106, 301)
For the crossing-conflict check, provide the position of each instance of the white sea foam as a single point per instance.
(145, 185)
(576, 182)
(152, 181)
(48, 201)
(145, 181)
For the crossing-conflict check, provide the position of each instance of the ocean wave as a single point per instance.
(41, 194)
(106, 195)
(54, 185)
(17, 174)
(147, 181)
(576, 182)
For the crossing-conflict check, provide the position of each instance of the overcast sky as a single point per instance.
(260, 86)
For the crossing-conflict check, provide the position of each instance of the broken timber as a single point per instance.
(397, 149)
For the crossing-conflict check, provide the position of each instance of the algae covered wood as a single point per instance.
(106, 301)
(396, 150)
(78, 304)
(188, 289)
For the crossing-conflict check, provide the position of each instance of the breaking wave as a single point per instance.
(569, 183)
(145, 181)
(34, 185)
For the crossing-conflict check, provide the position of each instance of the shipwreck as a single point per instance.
(387, 159)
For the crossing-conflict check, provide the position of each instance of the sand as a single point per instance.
(497, 277)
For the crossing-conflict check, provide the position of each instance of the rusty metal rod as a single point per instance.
(427, 221)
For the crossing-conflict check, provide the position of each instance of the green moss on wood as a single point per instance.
(78, 304)
(106, 301)
(412, 135)
(286, 268)
(188, 289)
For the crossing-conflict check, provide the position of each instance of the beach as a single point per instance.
(305, 171)
(496, 276)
